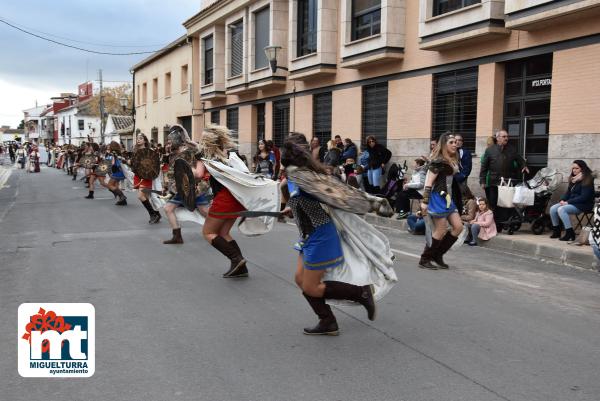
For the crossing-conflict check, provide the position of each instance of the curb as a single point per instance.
(581, 257)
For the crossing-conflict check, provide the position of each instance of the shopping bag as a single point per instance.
(506, 193)
(524, 196)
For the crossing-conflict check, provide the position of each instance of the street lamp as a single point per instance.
(124, 101)
(271, 53)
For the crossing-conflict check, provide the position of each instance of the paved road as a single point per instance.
(494, 327)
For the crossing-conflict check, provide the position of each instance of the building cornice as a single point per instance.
(177, 43)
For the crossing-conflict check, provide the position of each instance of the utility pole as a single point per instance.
(102, 125)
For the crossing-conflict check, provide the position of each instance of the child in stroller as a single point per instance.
(544, 183)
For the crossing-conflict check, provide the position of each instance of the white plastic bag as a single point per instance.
(523, 196)
(506, 193)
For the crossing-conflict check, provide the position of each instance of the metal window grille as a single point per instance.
(322, 105)
(374, 112)
(261, 40)
(455, 105)
(215, 117)
(237, 48)
(233, 121)
(307, 27)
(445, 6)
(208, 60)
(260, 122)
(366, 18)
(281, 121)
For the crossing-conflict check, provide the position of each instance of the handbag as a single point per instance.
(524, 196)
(506, 193)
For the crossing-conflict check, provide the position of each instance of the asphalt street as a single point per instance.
(168, 327)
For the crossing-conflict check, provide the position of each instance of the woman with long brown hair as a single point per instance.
(440, 199)
(141, 142)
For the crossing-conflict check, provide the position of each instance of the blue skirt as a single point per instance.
(200, 200)
(439, 207)
(322, 249)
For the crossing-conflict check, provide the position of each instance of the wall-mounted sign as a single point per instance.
(541, 82)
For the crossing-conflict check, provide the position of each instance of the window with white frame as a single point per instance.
(307, 27)
(366, 18)
(237, 48)
(261, 37)
(208, 60)
(445, 6)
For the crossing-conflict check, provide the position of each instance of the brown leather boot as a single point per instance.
(428, 254)
(362, 295)
(327, 325)
(445, 245)
(233, 253)
(177, 239)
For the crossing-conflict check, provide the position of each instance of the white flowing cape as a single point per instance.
(368, 259)
(254, 191)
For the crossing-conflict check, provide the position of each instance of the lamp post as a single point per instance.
(271, 53)
(124, 101)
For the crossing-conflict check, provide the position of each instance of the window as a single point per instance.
(281, 121)
(455, 104)
(374, 112)
(322, 117)
(232, 121)
(167, 84)
(445, 6)
(144, 93)
(307, 27)
(261, 37)
(215, 117)
(260, 121)
(155, 89)
(366, 18)
(237, 48)
(81, 124)
(184, 78)
(208, 60)
(138, 95)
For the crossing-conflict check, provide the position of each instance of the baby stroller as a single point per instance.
(544, 183)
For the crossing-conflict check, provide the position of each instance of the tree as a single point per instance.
(112, 103)
(21, 124)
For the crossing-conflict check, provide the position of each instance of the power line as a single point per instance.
(77, 41)
(75, 47)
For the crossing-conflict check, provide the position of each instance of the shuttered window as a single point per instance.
(237, 48)
(445, 6)
(374, 112)
(455, 104)
(307, 27)
(232, 121)
(366, 18)
(281, 121)
(322, 117)
(261, 37)
(208, 60)
(260, 121)
(215, 117)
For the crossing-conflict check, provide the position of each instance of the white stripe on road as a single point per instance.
(412, 255)
(500, 278)
(4, 176)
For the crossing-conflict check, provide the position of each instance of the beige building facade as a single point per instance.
(404, 71)
(163, 90)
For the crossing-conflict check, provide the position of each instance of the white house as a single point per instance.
(76, 123)
(32, 119)
(119, 128)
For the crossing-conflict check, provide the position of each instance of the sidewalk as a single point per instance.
(522, 242)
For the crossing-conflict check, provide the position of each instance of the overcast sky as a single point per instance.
(33, 69)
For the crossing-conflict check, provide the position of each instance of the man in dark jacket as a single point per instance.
(499, 160)
(379, 155)
(466, 163)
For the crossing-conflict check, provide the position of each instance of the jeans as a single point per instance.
(416, 225)
(474, 232)
(374, 177)
(562, 211)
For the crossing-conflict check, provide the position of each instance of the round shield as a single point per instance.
(185, 184)
(145, 163)
(87, 161)
(330, 190)
(103, 167)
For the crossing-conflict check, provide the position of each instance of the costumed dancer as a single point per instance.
(97, 152)
(181, 147)
(34, 160)
(322, 271)
(116, 174)
(215, 144)
(143, 185)
(440, 197)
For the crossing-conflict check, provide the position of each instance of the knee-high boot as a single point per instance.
(122, 198)
(429, 253)
(232, 252)
(176, 239)
(360, 294)
(445, 245)
(327, 323)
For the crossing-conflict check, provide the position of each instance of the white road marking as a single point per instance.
(4, 176)
(412, 255)
(500, 278)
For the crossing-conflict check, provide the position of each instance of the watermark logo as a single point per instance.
(56, 340)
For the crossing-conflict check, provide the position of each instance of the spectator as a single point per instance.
(416, 224)
(466, 162)
(482, 226)
(350, 151)
(338, 142)
(317, 151)
(469, 209)
(379, 155)
(264, 160)
(500, 160)
(595, 242)
(11, 152)
(361, 170)
(579, 198)
(277, 154)
(411, 190)
(333, 156)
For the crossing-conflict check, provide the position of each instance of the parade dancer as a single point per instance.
(90, 176)
(440, 197)
(215, 144)
(181, 147)
(320, 247)
(116, 175)
(143, 185)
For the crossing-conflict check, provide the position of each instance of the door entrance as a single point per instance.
(528, 85)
